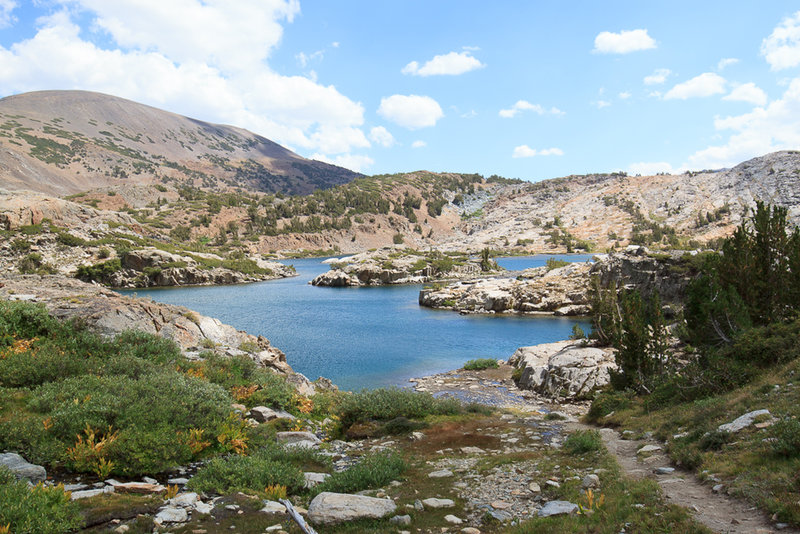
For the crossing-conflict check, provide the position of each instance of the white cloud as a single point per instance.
(762, 130)
(648, 168)
(419, 144)
(624, 95)
(623, 42)
(411, 111)
(524, 151)
(6, 9)
(159, 53)
(452, 64)
(705, 84)
(748, 92)
(726, 62)
(524, 105)
(304, 59)
(658, 77)
(601, 104)
(782, 48)
(382, 136)
(354, 162)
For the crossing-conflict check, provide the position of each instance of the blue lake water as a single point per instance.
(366, 337)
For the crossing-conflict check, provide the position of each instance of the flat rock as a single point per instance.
(263, 414)
(453, 520)
(403, 520)
(742, 422)
(648, 449)
(290, 438)
(443, 473)
(86, 494)
(558, 508)
(433, 502)
(203, 508)
(330, 508)
(23, 469)
(312, 479)
(471, 450)
(273, 507)
(171, 514)
(184, 500)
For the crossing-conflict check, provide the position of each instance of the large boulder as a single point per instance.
(21, 468)
(330, 508)
(566, 369)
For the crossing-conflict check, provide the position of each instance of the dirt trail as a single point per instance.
(718, 512)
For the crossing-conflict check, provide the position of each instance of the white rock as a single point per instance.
(203, 508)
(648, 449)
(453, 520)
(742, 422)
(273, 507)
(558, 508)
(263, 414)
(443, 473)
(312, 479)
(329, 508)
(23, 469)
(433, 502)
(171, 514)
(590, 481)
(184, 500)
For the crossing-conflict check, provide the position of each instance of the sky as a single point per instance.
(520, 88)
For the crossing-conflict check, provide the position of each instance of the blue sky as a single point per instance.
(526, 89)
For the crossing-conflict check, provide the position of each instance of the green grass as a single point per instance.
(372, 471)
(480, 364)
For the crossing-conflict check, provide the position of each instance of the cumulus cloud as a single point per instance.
(524, 105)
(159, 53)
(451, 64)
(726, 62)
(411, 111)
(658, 77)
(649, 168)
(381, 136)
(601, 103)
(524, 151)
(355, 162)
(748, 92)
(419, 144)
(623, 42)
(706, 84)
(762, 130)
(782, 48)
(6, 9)
(624, 95)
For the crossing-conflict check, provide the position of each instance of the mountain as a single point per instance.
(65, 142)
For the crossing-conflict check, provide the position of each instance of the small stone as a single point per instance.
(203, 508)
(273, 507)
(553, 483)
(171, 514)
(139, 488)
(590, 481)
(501, 505)
(717, 488)
(312, 479)
(648, 449)
(453, 520)
(443, 473)
(179, 481)
(186, 500)
(122, 529)
(438, 503)
(558, 508)
(471, 450)
(150, 480)
(418, 506)
(664, 470)
(403, 520)
(534, 487)
(416, 436)
(470, 530)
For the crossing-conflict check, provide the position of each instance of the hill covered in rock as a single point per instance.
(65, 142)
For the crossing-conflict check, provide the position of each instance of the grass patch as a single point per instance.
(583, 441)
(372, 471)
(480, 364)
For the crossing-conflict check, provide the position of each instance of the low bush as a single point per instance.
(99, 272)
(583, 441)
(391, 403)
(38, 510)
(33, 263)
(785, 436)
(372, 471)
(479, 364)
(609, 401)
(247, 474)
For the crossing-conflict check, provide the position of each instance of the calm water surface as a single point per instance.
(366, 337)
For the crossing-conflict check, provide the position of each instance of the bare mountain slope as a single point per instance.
(616, 209)
(63, 142)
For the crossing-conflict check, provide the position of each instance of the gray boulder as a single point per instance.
(331, 508)
(23, 469)
(742, 422)
(262, 414)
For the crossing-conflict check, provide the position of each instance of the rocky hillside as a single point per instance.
(612, 210)
(64, 142)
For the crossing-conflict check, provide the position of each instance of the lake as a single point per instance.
(371, 336)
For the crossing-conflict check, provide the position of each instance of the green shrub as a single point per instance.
(65, 238)
(39, 510)
(785, 436)
(553, 263)
(401, 425)
(372, 471)
(609, 401)
(99, 272)
(247, 474)
(479, 364)
(714, 441)
(20, 245)
(390, 403)
(398, 239)
(103, 253)
(583, 441)
(33, 263)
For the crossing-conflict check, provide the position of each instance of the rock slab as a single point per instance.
(330, 508)
(23, 469)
